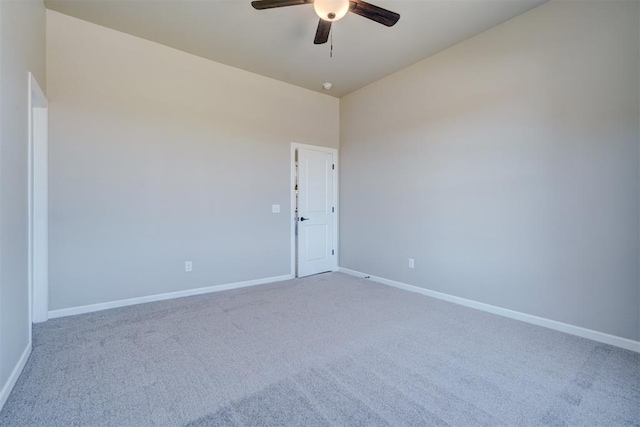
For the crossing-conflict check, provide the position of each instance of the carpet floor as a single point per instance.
(325, 350)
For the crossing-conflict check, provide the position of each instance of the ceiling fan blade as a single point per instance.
(322, 33)
(270, 4)
(375, 13)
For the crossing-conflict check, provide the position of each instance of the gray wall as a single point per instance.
(22, 49)
(507, 166)
(158, 157)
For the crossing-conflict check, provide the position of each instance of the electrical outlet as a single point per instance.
(188, 266)
(412, 263)
(275, 208)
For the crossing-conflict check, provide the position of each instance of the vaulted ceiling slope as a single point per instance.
(278, 43)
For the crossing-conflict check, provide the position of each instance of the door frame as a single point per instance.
(38, 204)
(292, 211)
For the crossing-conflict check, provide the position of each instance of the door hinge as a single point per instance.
(333, 209)
(333, 252)
(333, 166)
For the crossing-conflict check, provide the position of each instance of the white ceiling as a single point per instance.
(278, 43)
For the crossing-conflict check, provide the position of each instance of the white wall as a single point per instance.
(507, 166)
(22, 49)
(158, 157)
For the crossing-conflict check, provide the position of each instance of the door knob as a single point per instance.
(303, 219)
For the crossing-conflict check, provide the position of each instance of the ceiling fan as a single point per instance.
(332, 10)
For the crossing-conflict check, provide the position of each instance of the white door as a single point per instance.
(315, 212)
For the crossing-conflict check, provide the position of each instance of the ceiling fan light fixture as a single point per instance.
(331, 10)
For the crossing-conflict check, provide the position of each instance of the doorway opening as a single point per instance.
(314, 209)
(38, 205)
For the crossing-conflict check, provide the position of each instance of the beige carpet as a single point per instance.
(325, 350)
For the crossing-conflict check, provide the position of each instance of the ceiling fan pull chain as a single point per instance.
(331, 53)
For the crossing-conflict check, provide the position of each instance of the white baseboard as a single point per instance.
(15, 374)
(160, 297)
(528, 318)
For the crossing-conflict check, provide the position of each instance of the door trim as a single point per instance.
(38, 201)
(292, 210)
